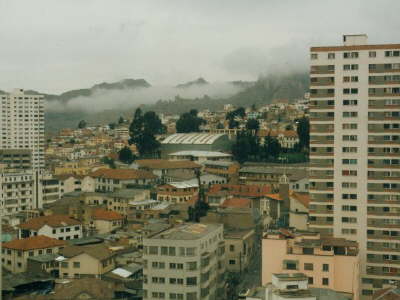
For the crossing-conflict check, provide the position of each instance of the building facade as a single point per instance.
(22, 124)
(185, 262)
(355, 150)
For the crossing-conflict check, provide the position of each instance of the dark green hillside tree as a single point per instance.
(189, 122)
(142, 133)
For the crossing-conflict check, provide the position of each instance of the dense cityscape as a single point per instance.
(279, 190)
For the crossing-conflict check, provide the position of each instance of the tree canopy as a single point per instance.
(142, 132)
(303, 131)
(189, 122)
(82, 124)
(126, 156)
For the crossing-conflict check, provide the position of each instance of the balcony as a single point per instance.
(382, 237)
(321, 223)
(383, 261)
(322, 81)
(322, 93)
(327, 69)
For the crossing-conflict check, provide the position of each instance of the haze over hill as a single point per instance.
(104, 103)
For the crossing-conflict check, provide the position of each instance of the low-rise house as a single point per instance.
(226, 169)
(110, 180)
(60, 227)
(161, 167)
(106, 221)
(177, 192)
(299, 210)
(239, 249)
(86, 261)
(327, 262)
(15, 253)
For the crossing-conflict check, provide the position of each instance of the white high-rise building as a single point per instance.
(355, 152)
(22, 124)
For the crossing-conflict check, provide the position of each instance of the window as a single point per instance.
(325, 281)
(350, 102)
(349, 149)
(350, 91)
(231, 248)
(232, 262)
(350, 67)
(308, 251)
(347, 161)
(64, 264)
(314, 56)
(325, 267)
(349, 220)
(350, 126)
(153, 250)
(331, 55)
(77, 264)
(349, 138)
(350, 114)
(349, 208)
(191, 281)
(308, 266)
(310, 280)
(372, 54)
(350, 54)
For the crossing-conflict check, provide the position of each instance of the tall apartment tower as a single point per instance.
(22, 124)
(185, 262)
(355, 152)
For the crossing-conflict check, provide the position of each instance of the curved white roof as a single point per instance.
(192, 138)
(199, 153)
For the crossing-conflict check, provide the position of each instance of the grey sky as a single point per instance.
(55, 45)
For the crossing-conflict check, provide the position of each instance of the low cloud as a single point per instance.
(102, 99)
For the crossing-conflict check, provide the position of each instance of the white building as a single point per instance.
(55, 226)
(16, 191)
(355, 152)
(185, 262)
(22, 124)
(200, 156)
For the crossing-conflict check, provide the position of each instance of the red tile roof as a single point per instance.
(122, 174)
(303, 198)
(167, 164)
(237, 203)
(34, 242)
(107, 215)
(241, 190)
(52, 221)
(274, 196)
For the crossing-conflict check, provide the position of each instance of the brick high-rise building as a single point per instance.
(355, 152)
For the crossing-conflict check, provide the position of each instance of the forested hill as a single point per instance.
(261, 92)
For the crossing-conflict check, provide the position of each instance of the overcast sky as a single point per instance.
(56, 45)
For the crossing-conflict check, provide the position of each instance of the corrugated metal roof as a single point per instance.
(198, 153)
(192, 138)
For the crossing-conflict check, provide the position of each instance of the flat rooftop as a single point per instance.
(292, 276)
(188, 231)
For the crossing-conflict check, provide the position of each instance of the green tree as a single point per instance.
(121, 120)
(142, 131)
(231, 116)
(189, 122)
(108, 161)
(112, 126)
(241, 148)
(152, 123)
(303, 131)
(126, 156)
(82, 124)
(253, 124)
(271, 148)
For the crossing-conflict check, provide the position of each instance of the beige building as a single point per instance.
(355, 150)
(86, 261)
(15, 253)
(106, 221)
(239, 249)
(185, 262)
(327, 262)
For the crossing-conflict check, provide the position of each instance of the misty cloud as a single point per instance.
(102, 99)
(71, 44)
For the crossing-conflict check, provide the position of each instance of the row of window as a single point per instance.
(354, 54)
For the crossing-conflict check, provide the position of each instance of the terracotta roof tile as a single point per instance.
(303, 198)
(108, 215)
(52, 221)
(237, 202)
(274, 196)
(122, 174)
(34, 242)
